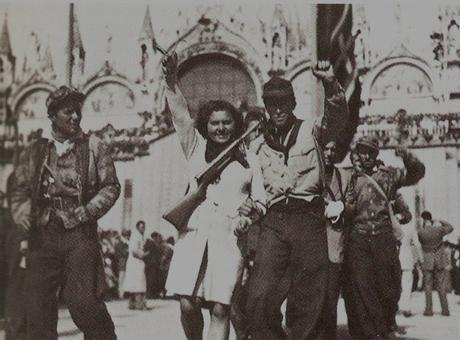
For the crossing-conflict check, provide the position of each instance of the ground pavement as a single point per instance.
(163, 322)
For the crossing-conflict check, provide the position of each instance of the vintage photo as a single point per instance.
(239, 170)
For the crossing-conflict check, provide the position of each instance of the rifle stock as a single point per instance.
(180, 214)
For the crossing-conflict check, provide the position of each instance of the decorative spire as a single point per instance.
(47, 61)
(76, 51)
(5, 44)
(147, 27)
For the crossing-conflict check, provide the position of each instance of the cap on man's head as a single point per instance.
(277, 87)
(370, 142)
(426, 215)
(64, 95)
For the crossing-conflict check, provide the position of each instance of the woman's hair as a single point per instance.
(205, 111)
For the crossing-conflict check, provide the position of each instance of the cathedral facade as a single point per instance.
(408, 68)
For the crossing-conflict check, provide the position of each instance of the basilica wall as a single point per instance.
(408, 66)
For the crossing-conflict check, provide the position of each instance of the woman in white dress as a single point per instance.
(135, 282)
(207, 262)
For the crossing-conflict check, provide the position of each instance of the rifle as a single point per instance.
(179, 215)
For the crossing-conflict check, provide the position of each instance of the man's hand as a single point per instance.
(248, 207)
(333, 210)
(25, 223)
(81, 214)
(242, 225)
(170, 70)
(401, 151)
(324, 71)
(23, 246)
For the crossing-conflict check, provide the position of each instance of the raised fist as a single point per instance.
(324, 71)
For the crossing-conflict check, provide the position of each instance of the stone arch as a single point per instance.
(20, 95)
(374, 75)
(221, 41)
(111, 79)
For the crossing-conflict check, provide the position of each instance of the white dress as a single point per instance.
(212, 224)
(135, 281)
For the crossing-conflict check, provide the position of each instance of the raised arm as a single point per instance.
(445, 227)
(332, 123)
(178, 107)
(414, 168)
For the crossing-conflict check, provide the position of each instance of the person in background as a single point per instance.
(431, 234)
(152, 264)
(121, 256)
(336, 184)
(410, 253)
(135, 282)
(167, 252)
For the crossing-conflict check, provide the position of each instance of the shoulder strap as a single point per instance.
(378, 187)
(339, 179)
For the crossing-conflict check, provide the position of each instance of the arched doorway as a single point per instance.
(215, 76)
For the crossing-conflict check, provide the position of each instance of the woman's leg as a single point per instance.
(191, 318)
(220, 322)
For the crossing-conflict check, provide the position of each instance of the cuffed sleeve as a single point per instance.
(414, 170)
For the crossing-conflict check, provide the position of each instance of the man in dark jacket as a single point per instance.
(62, 185)
(371, 257)
(431, 235)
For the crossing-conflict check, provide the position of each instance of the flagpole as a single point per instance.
(70, 43)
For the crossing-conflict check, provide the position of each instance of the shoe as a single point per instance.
(446, 313)
(407, 314)
(428, 313)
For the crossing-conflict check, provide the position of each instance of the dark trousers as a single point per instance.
(435, 277)
(298, 242)
(15, 311)
(15, 305)
(374, 284)
(333, 293)
(66, 259)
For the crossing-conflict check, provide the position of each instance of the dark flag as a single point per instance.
(336, 42)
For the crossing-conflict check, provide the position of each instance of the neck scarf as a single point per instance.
(275, 136)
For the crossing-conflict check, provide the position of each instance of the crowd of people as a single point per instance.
(273, 220)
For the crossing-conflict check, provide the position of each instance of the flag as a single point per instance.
(336, 42)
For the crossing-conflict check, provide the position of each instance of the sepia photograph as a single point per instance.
(229, 170)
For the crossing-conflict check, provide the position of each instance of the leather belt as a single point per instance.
(371, 232)
(290, 204)
(64, 203)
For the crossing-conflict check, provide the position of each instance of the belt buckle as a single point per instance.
(57, 203)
